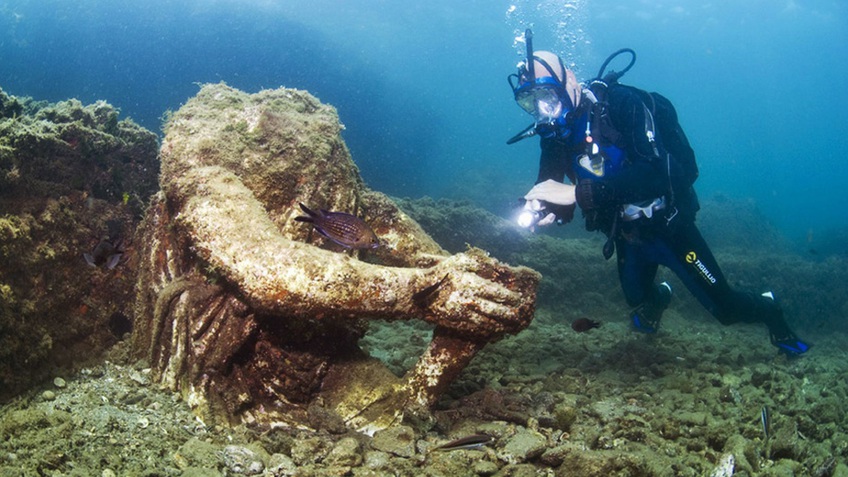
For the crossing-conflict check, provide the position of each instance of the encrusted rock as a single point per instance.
(310, 450)
(321, 418)
(241, 460)
(196, 453)
(519, 470)
(785, 442)
(485, 467)
(345, 453)
(69, 174)
(281, 465)
(556, 455)
(523, 446)
(564, 417)
(725, 466)
(377, 460)
(397, 440)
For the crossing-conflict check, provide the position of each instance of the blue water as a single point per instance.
(421, 87)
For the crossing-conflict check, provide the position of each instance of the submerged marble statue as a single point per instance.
(254, 318)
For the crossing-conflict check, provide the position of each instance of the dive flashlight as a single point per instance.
(528, 218)
(532, 212)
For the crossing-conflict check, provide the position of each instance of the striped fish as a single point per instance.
(468, 442)
(345, 229)
(765, 418)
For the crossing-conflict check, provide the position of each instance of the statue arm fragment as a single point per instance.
(230, 230)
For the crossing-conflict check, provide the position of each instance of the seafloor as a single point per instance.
(607, 402)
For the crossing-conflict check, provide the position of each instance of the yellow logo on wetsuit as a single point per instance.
(692, 258)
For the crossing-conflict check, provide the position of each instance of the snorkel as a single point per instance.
(529, 64)
(528, 71)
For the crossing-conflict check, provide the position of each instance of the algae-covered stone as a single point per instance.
(603, 464)
(397, 440)
(485, 467)
(841, 470)
(518, 470)
(67, 171)
(310, 450)
(786, 443)
(10, 106)
(197, 453)
(523, 446)
(564, 417)
(200, 472)
(281, 464)
(345, 453)
(242, 460)
(744, 451)
(555, 456)
(377, 460)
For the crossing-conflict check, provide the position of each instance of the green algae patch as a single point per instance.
(57, 149)
(70, 174)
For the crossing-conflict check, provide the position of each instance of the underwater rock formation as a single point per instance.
(253, 318)
(70, 174)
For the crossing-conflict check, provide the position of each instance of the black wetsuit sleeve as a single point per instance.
(554, 164)
(644, 175)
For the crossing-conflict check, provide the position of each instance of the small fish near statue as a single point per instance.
(581, 325)
(347, 230)
(107, 253)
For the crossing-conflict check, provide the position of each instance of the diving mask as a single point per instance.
(543, 99)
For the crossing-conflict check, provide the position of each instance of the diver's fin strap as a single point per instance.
(793, 347)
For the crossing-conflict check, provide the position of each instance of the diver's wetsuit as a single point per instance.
(629, 169)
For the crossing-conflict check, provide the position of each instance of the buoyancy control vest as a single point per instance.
(649, 129)
(654, 132)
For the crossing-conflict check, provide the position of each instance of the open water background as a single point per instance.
(421, 86)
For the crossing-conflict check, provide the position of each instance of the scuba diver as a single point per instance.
(631, 171)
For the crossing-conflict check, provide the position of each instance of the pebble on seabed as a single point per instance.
(59, 383)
